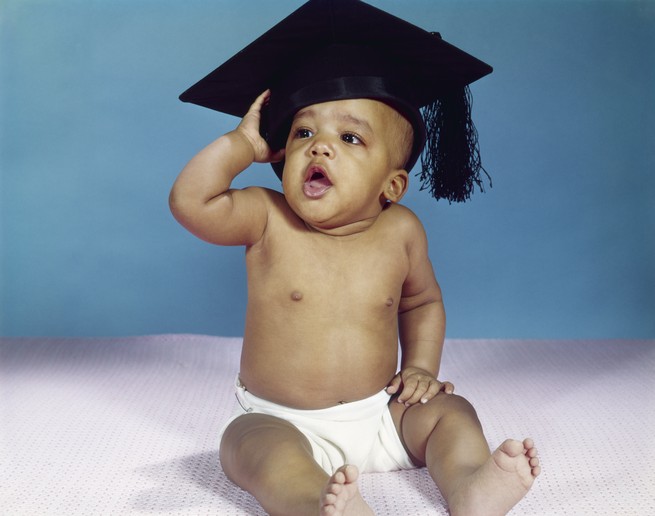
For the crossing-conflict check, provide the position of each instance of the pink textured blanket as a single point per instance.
(129, 425)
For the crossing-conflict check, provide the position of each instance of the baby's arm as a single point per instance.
(201, 198)
(422, 322)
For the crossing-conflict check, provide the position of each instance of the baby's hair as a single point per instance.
(402, 133)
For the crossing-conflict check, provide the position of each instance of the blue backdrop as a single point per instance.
(93, 136)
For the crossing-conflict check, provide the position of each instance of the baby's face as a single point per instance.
(340, 159)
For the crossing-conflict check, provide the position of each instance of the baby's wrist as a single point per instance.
(242, 143)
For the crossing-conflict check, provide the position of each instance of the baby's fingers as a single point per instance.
(253, 114)
(434, 388)
(414, 389)
(249, 127)
(424, 391)
(260, 101)
(394, 384)
(447, 387)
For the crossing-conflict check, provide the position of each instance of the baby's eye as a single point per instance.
(303, 133)
(351, 138)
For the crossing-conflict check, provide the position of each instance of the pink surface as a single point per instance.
(129, 425)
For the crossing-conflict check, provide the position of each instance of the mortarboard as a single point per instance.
(344, 49)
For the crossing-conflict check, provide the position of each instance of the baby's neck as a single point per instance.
(352, 229)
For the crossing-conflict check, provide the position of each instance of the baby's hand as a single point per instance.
(417, 385)
(249, 128)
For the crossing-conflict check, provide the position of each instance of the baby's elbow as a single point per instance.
(180, 207)
(427, 298)
(175, 204)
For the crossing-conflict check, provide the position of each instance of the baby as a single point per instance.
(338, 274)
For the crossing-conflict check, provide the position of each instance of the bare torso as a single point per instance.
(322, 318)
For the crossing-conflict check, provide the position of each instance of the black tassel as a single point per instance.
(450, 162)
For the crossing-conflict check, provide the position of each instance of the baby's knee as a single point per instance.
(259, 437)
(447, 405)
(249, 432)
(237, 438)
(456, 404)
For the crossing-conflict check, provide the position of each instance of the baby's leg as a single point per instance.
(272, 460)
(445, 434)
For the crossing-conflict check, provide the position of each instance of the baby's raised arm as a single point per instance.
(201, 198)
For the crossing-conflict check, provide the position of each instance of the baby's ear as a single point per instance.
(396, 186)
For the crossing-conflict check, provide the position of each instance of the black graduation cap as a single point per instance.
(344, 49)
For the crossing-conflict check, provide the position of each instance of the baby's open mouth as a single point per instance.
(316, 182)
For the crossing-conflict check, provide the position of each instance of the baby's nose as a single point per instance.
(321, 149)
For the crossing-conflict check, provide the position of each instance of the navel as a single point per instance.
(296, 295)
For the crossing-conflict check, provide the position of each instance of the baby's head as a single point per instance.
(345, 162)
(401, 138)
(334, 50)
(350, 153)
(394, 129)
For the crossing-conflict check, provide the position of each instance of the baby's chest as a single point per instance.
(341, 276)
(348, 264)
(350, 292)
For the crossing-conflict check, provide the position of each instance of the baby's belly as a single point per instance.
(317, 376)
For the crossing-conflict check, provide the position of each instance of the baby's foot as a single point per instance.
(341, 495)
(500, 483)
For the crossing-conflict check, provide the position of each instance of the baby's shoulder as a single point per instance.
(402, 218)
(266, 194)
(274, 200)
(280, 214)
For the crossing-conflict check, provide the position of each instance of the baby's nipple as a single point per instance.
(296, 295)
